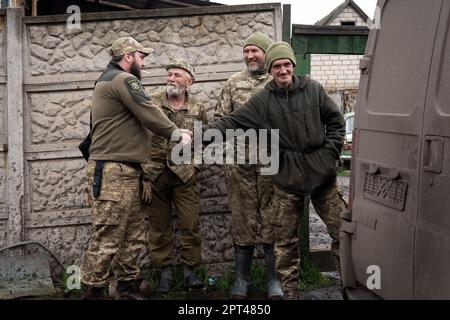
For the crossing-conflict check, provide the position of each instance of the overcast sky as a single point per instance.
(309, 11)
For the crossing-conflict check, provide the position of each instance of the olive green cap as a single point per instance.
(277, 51)
(258, 39)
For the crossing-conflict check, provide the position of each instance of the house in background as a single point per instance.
(336, 70)
(330, 50)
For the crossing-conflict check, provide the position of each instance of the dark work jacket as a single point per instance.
(311, 129)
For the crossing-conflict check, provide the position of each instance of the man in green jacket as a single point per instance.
(122, 114)
(311, 132)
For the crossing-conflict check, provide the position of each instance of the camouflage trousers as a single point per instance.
(168, 188)
(250, 196)
(328, 203)
(118, 234)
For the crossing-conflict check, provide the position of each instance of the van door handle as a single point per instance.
(364, 64)
(433, 154)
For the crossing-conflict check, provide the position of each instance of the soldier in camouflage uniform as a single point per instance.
(311, 131)
(175, 183)
(122, 115)
(250, 193)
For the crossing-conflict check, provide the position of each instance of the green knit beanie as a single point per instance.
(279, 50)
(258, 39)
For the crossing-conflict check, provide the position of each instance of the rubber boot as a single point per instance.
(129, 290)
(165, 281)
(274, 291)
(243, 256)
(190, 279)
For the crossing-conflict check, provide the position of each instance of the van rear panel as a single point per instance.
(387, 157)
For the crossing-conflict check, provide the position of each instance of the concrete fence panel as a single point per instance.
(3, 134)
(60, 67)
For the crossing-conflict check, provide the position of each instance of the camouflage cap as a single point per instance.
(182, 64)
(127, 44)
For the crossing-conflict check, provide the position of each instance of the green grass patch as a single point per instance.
(219, 287)
(342, 172)
(311, 278)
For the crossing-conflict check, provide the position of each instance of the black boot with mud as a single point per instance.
(129, 290)
(243, 256)
(165, 281)
(190, 280)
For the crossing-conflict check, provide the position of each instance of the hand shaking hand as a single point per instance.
(186, 136)
(183, 136)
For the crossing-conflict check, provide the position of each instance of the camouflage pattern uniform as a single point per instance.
(328, 203)
(122, 115)
(249, 192)
(175, 184)
(117, 223)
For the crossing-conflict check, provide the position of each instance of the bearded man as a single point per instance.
(122, 117)
(175, 183)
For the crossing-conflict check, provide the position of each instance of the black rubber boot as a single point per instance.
(191, 281)
(165, 281)
(243, 256)
(129, 290)
(274, 291)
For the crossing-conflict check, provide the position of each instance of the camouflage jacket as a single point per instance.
(238, 89)
(161, 150)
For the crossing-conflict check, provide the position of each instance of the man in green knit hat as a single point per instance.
(250, 193)
(311, 134)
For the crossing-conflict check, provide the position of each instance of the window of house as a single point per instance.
(348, 23)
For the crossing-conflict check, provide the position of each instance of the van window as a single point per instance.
(402, 58)
(443, 94)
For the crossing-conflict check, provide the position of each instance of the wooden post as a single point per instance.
(287, 23)
(34, 8)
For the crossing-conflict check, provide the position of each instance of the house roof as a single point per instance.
(333, 14)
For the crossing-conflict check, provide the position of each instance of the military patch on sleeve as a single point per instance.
(136, 90)
(134, 84)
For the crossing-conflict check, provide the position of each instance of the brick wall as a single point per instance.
(336, 71)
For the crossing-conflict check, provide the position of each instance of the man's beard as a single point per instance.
(175, 91)
(136, 70)
(254, 67)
